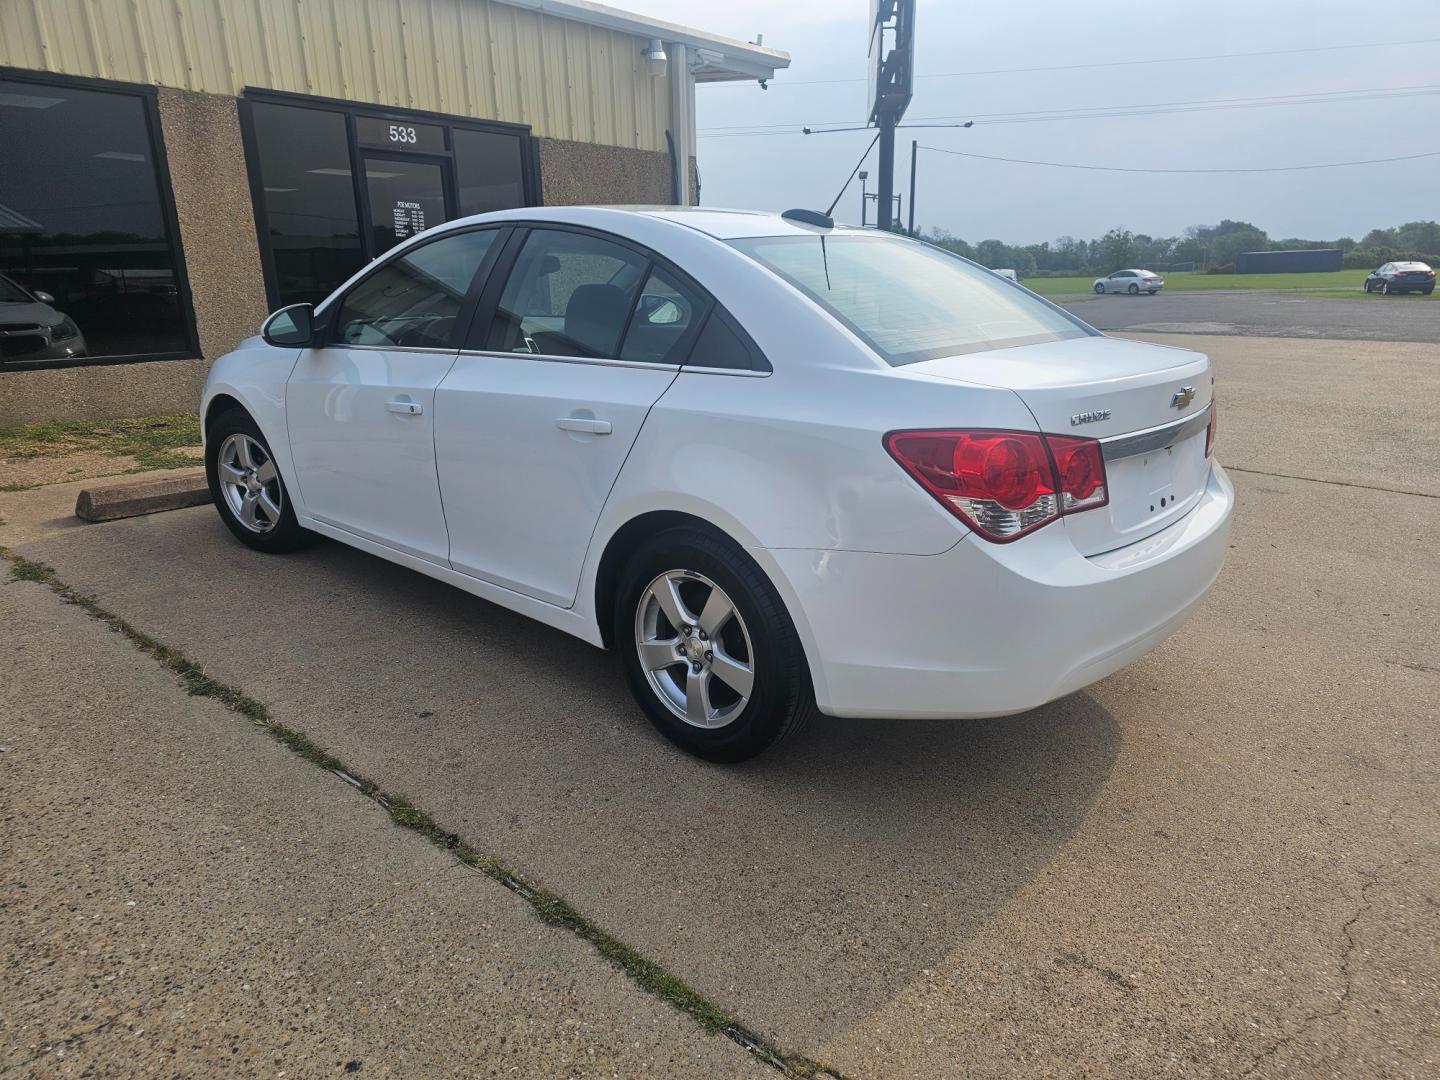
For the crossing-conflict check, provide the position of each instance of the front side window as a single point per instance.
(82, 218)
(569, 294)
(909, 301)
(413, 301)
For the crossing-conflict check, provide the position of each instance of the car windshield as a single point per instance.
(10, 293)
(909, 301)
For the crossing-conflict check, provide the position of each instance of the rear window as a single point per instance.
(909, 301)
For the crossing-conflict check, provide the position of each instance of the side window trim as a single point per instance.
(483, 273)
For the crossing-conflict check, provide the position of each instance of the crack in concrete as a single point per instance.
(1332, 483)
(1108, 974)
(1346, 977)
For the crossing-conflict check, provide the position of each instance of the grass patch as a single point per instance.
(550, 908)
(151, 440)
(1345, 281)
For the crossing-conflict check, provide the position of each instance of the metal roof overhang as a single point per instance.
(720, 59)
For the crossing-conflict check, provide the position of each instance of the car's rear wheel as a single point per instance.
(709, 649)
(1134, 289)
(1428, 291)
(246, 485)
(1099, 289)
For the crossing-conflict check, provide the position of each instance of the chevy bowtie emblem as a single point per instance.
(1183, 397)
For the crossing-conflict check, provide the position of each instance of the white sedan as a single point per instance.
(778, 466)
(1133, 282)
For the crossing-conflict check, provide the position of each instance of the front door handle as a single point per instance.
(408, 408)
(581, 423)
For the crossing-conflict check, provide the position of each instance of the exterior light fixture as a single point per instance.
(655, 58)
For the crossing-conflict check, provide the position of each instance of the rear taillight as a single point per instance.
(1210, 429)
(1003, 484)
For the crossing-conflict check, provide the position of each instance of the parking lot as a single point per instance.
(1221, 860)
(1411, 317)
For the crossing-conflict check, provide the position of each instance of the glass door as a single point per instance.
(404, 196)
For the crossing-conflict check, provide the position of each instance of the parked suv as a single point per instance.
(1133, 282)
(1401, 277)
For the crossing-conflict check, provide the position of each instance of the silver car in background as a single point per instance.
(1133, 282)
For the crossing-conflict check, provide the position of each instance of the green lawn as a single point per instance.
(1349, 280)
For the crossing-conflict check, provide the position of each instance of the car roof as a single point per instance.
(1412, 264)
(718, 223)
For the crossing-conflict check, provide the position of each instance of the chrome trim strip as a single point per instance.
(596, 361)
(388, 348)
(1144, 442)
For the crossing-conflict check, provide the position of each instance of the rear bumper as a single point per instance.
(990, 630)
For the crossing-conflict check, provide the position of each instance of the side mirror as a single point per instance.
(291, 327)
(43, 297)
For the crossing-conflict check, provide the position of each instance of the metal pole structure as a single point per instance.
(914, 147)
(864, 198)
(885, 210)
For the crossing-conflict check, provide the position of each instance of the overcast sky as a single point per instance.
(1023, 203)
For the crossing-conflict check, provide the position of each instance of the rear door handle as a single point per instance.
(409, 408)
(580, 423)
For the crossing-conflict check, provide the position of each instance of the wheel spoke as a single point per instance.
(658, 655)
(734, 674)
(247, 510)
(717, 612)
(697, 697)
(269, 505)
(667, 595)
(243, 457)
(232, 473)
(266, 473)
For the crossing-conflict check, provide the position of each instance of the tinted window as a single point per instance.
(718, 346)
(661, 324)
(489, 174)
(309, 200)
(413, 301)
(568, 295)
(909, 301)
(81, 218)
(406, 197)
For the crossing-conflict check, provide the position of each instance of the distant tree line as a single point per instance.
(1205, 248)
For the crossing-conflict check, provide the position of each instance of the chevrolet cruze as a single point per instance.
(778, 466)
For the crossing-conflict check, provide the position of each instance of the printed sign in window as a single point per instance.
(409, 218)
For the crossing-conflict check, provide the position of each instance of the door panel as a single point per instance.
(523, 482)
(364, 457)
(361, 411)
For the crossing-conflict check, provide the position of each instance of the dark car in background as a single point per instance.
(31, 329)
(1401, 277)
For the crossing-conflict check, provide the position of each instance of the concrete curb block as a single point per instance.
(131, 498)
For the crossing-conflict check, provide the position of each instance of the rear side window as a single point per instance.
(413, 301)
(664, 317)
(719, 346)
(909, 301)
(569, 294)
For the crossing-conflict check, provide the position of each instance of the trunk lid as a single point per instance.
(1146, 403)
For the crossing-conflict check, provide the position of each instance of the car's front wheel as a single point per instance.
(1099, 289)
(709, 649)
(1367, 284)
(1134, 289)
(1385, 289)
(246, 485)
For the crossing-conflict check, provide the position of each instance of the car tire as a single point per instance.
(1099, 289)
(1385, 288)
(1367, 285)
(1427, 292)
(681, 570)
(1134, 290)
(247, 487)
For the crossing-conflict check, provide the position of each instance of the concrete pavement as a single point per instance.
(183, 897)
(1219, 861)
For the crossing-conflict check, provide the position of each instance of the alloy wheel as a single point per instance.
(250, 483)
(694, 648)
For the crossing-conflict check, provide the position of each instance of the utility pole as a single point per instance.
(891, 79)
(885, 210)
(914, 149)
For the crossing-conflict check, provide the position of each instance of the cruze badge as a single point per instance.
(1183, 397)
(1090, 417)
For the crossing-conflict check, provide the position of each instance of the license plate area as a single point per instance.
(1148, 489)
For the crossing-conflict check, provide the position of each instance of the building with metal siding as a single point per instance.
(503, 102)
(1305, 261)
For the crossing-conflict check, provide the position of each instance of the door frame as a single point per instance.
(444, 162)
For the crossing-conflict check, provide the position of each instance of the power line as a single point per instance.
(1116, 168)
(1119, 63)
(1300, 97)
(1103, 112)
